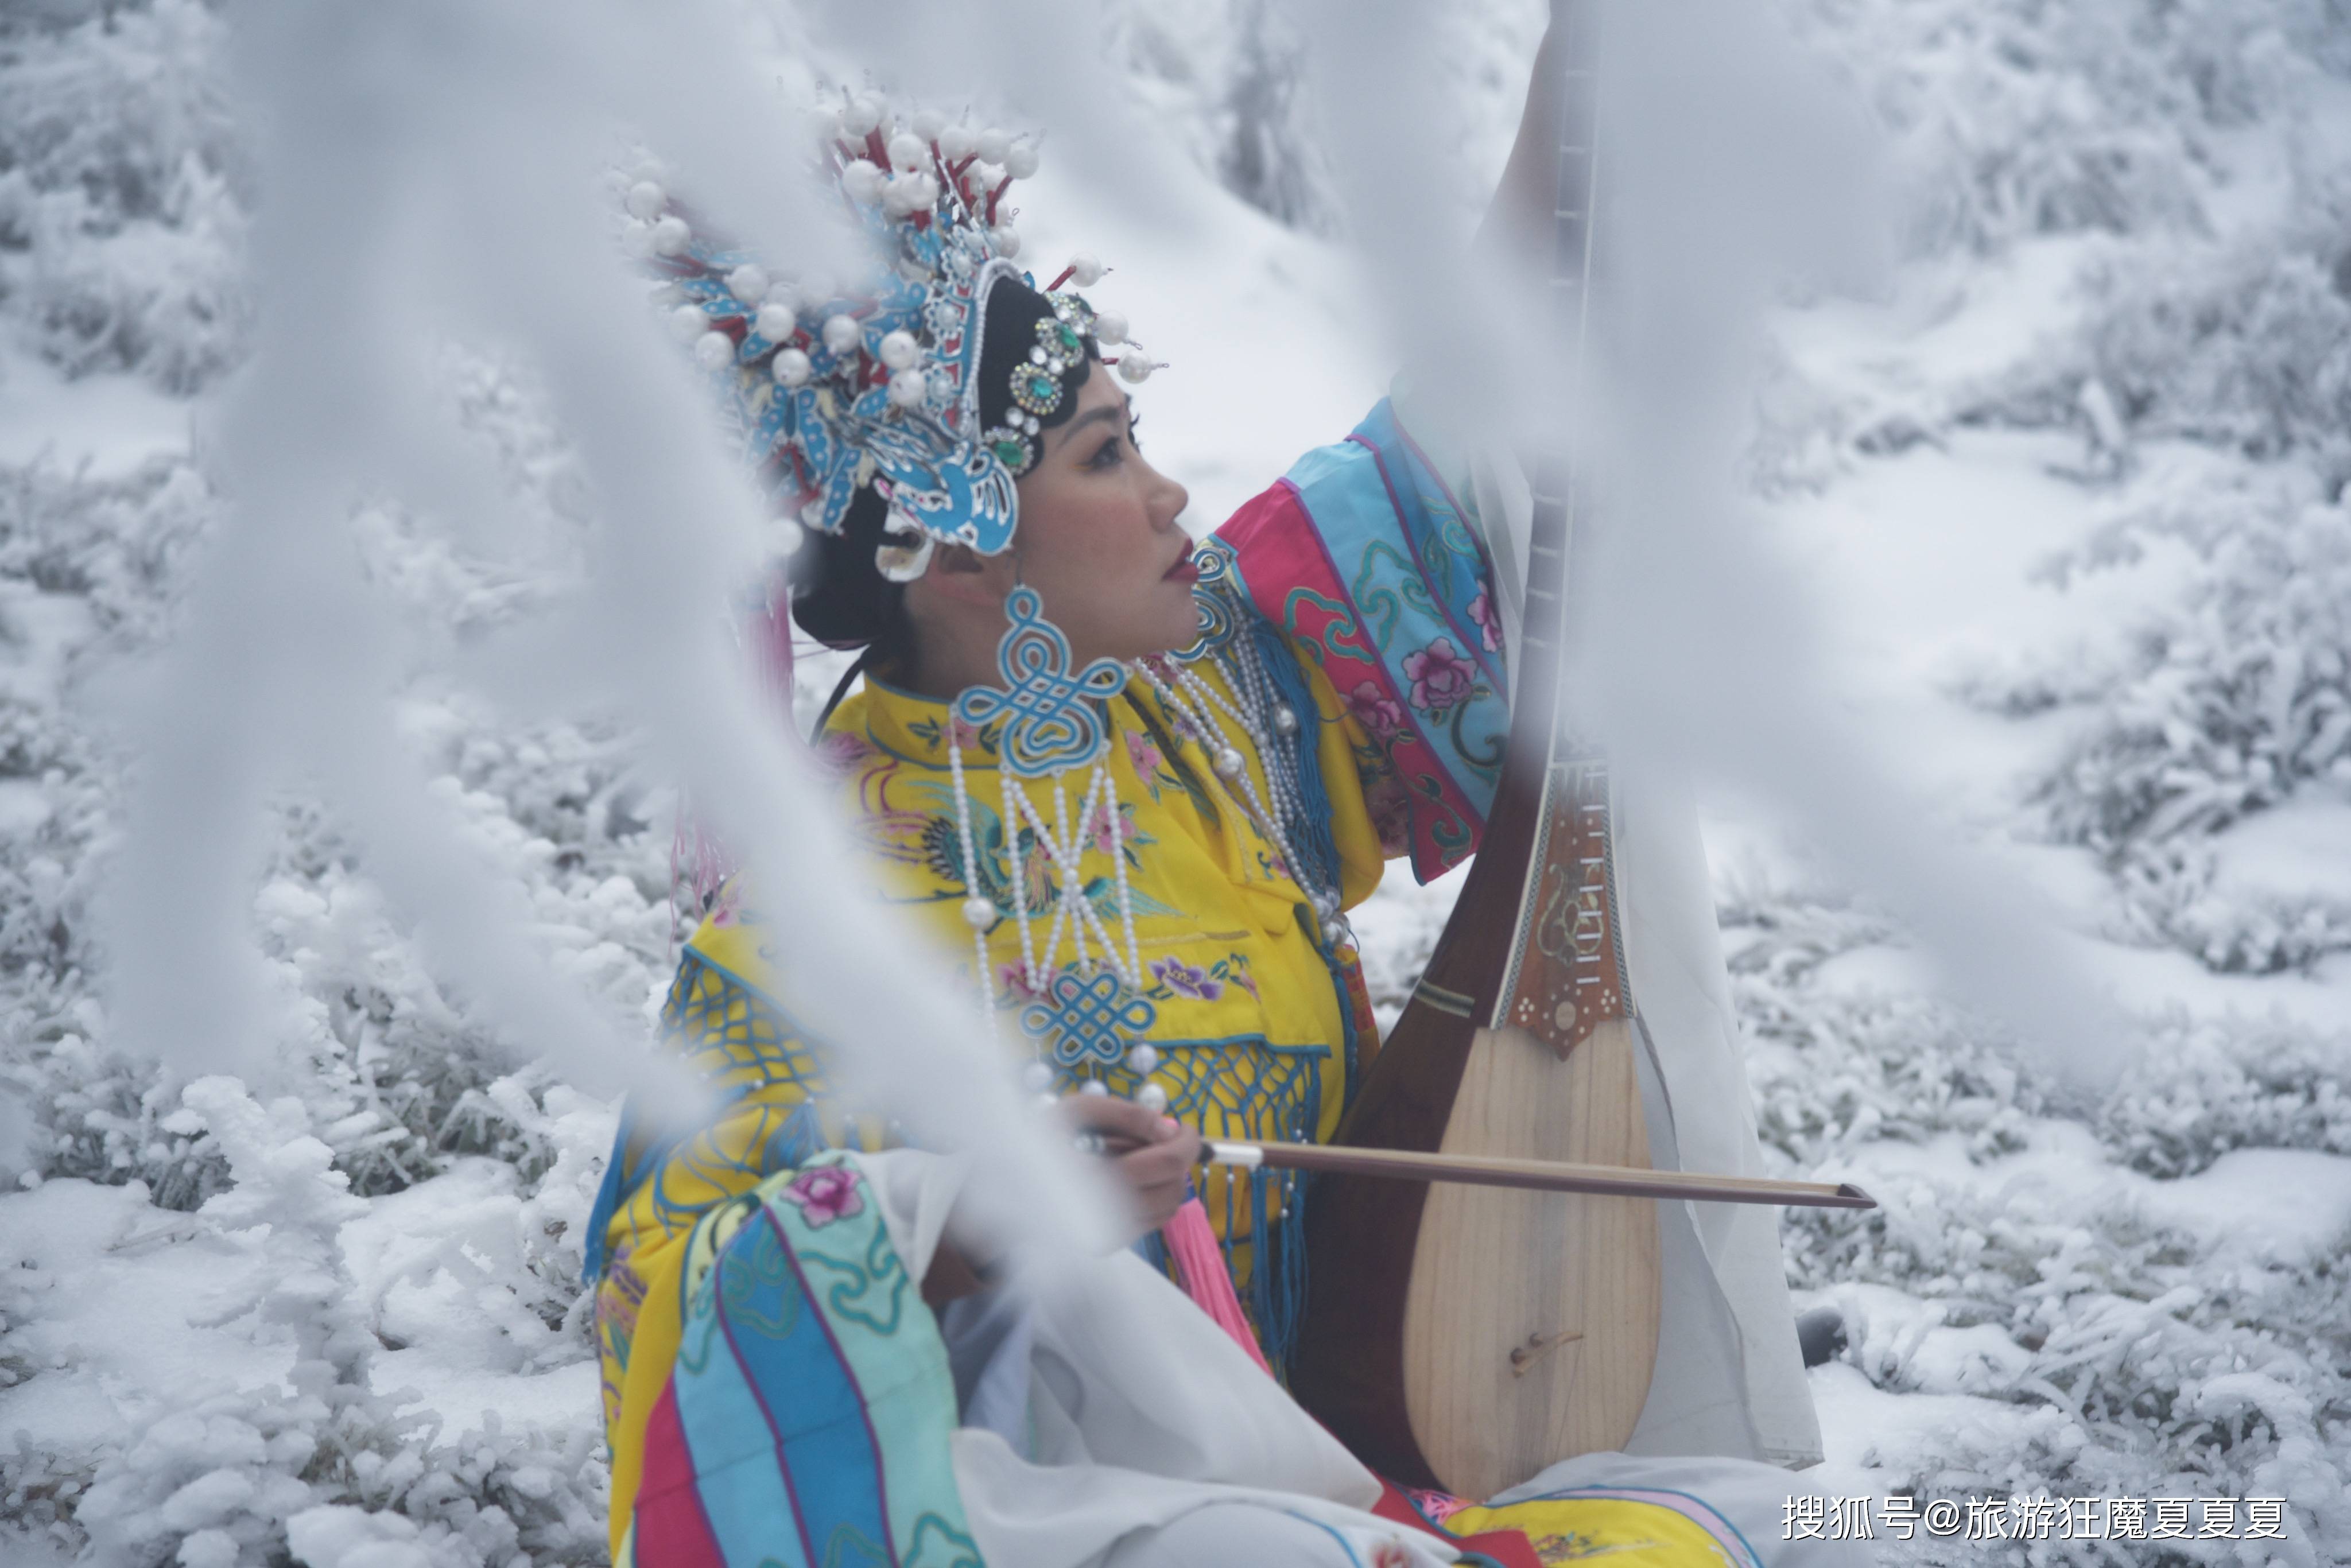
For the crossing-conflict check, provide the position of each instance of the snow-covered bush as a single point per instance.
(2254, 353)
(274, 1420)
(122, 192)
(2015, 118)
(2231, 695)
(2227, 699)
(2119, 1336)
(400, 1069)
(393, 1070)
(396, 1074)
(225, 1475)
(2212, 1089)
(86, 562)
(1906, 1068)
(2174, 164)
(1231, 77)
(2235, 695)
(2244, 344)
(1231, 66)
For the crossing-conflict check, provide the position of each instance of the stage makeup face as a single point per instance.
(1099, 542)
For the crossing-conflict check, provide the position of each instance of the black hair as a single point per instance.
(840, 596)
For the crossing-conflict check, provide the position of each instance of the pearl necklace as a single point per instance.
(1047, 727)
(1050, 727)
(1198, 701)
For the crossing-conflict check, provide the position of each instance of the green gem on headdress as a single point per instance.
(1060, 340)
(1036, 389)
(1012, 451)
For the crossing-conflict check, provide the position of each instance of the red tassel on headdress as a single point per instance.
(770, 635)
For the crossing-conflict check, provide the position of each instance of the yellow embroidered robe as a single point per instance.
(1255, 1018)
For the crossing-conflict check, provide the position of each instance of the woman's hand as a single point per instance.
(1152, 1155)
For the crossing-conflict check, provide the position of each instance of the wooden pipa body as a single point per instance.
(1466, 1337)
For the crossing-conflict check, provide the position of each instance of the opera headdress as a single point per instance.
(837, 385)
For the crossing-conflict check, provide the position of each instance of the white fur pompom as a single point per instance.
(992, 145)
(671, 235)
(861, 181)
(646, 199)
(748, 283)
(714, 351)
(911, 193)
(775, 321)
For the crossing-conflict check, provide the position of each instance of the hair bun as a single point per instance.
(839, 596)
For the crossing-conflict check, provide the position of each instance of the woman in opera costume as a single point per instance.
(1134, 784)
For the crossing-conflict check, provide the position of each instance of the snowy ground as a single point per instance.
(377, 1309)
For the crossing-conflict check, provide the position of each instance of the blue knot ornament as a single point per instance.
(1088, 1019)
(1050, 722)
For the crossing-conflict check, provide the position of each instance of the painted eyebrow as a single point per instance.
(1108, 411)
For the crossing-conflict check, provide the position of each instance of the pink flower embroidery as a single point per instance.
(1143, 752)
(1390, 811)
(1099, 831)
(1187, 980)
(1490, 629)
(1013, 979)
(1439, 674)
(840, 750)
(824, 1195)
(1376, 710)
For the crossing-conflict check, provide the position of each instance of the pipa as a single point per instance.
(1462, 1337)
